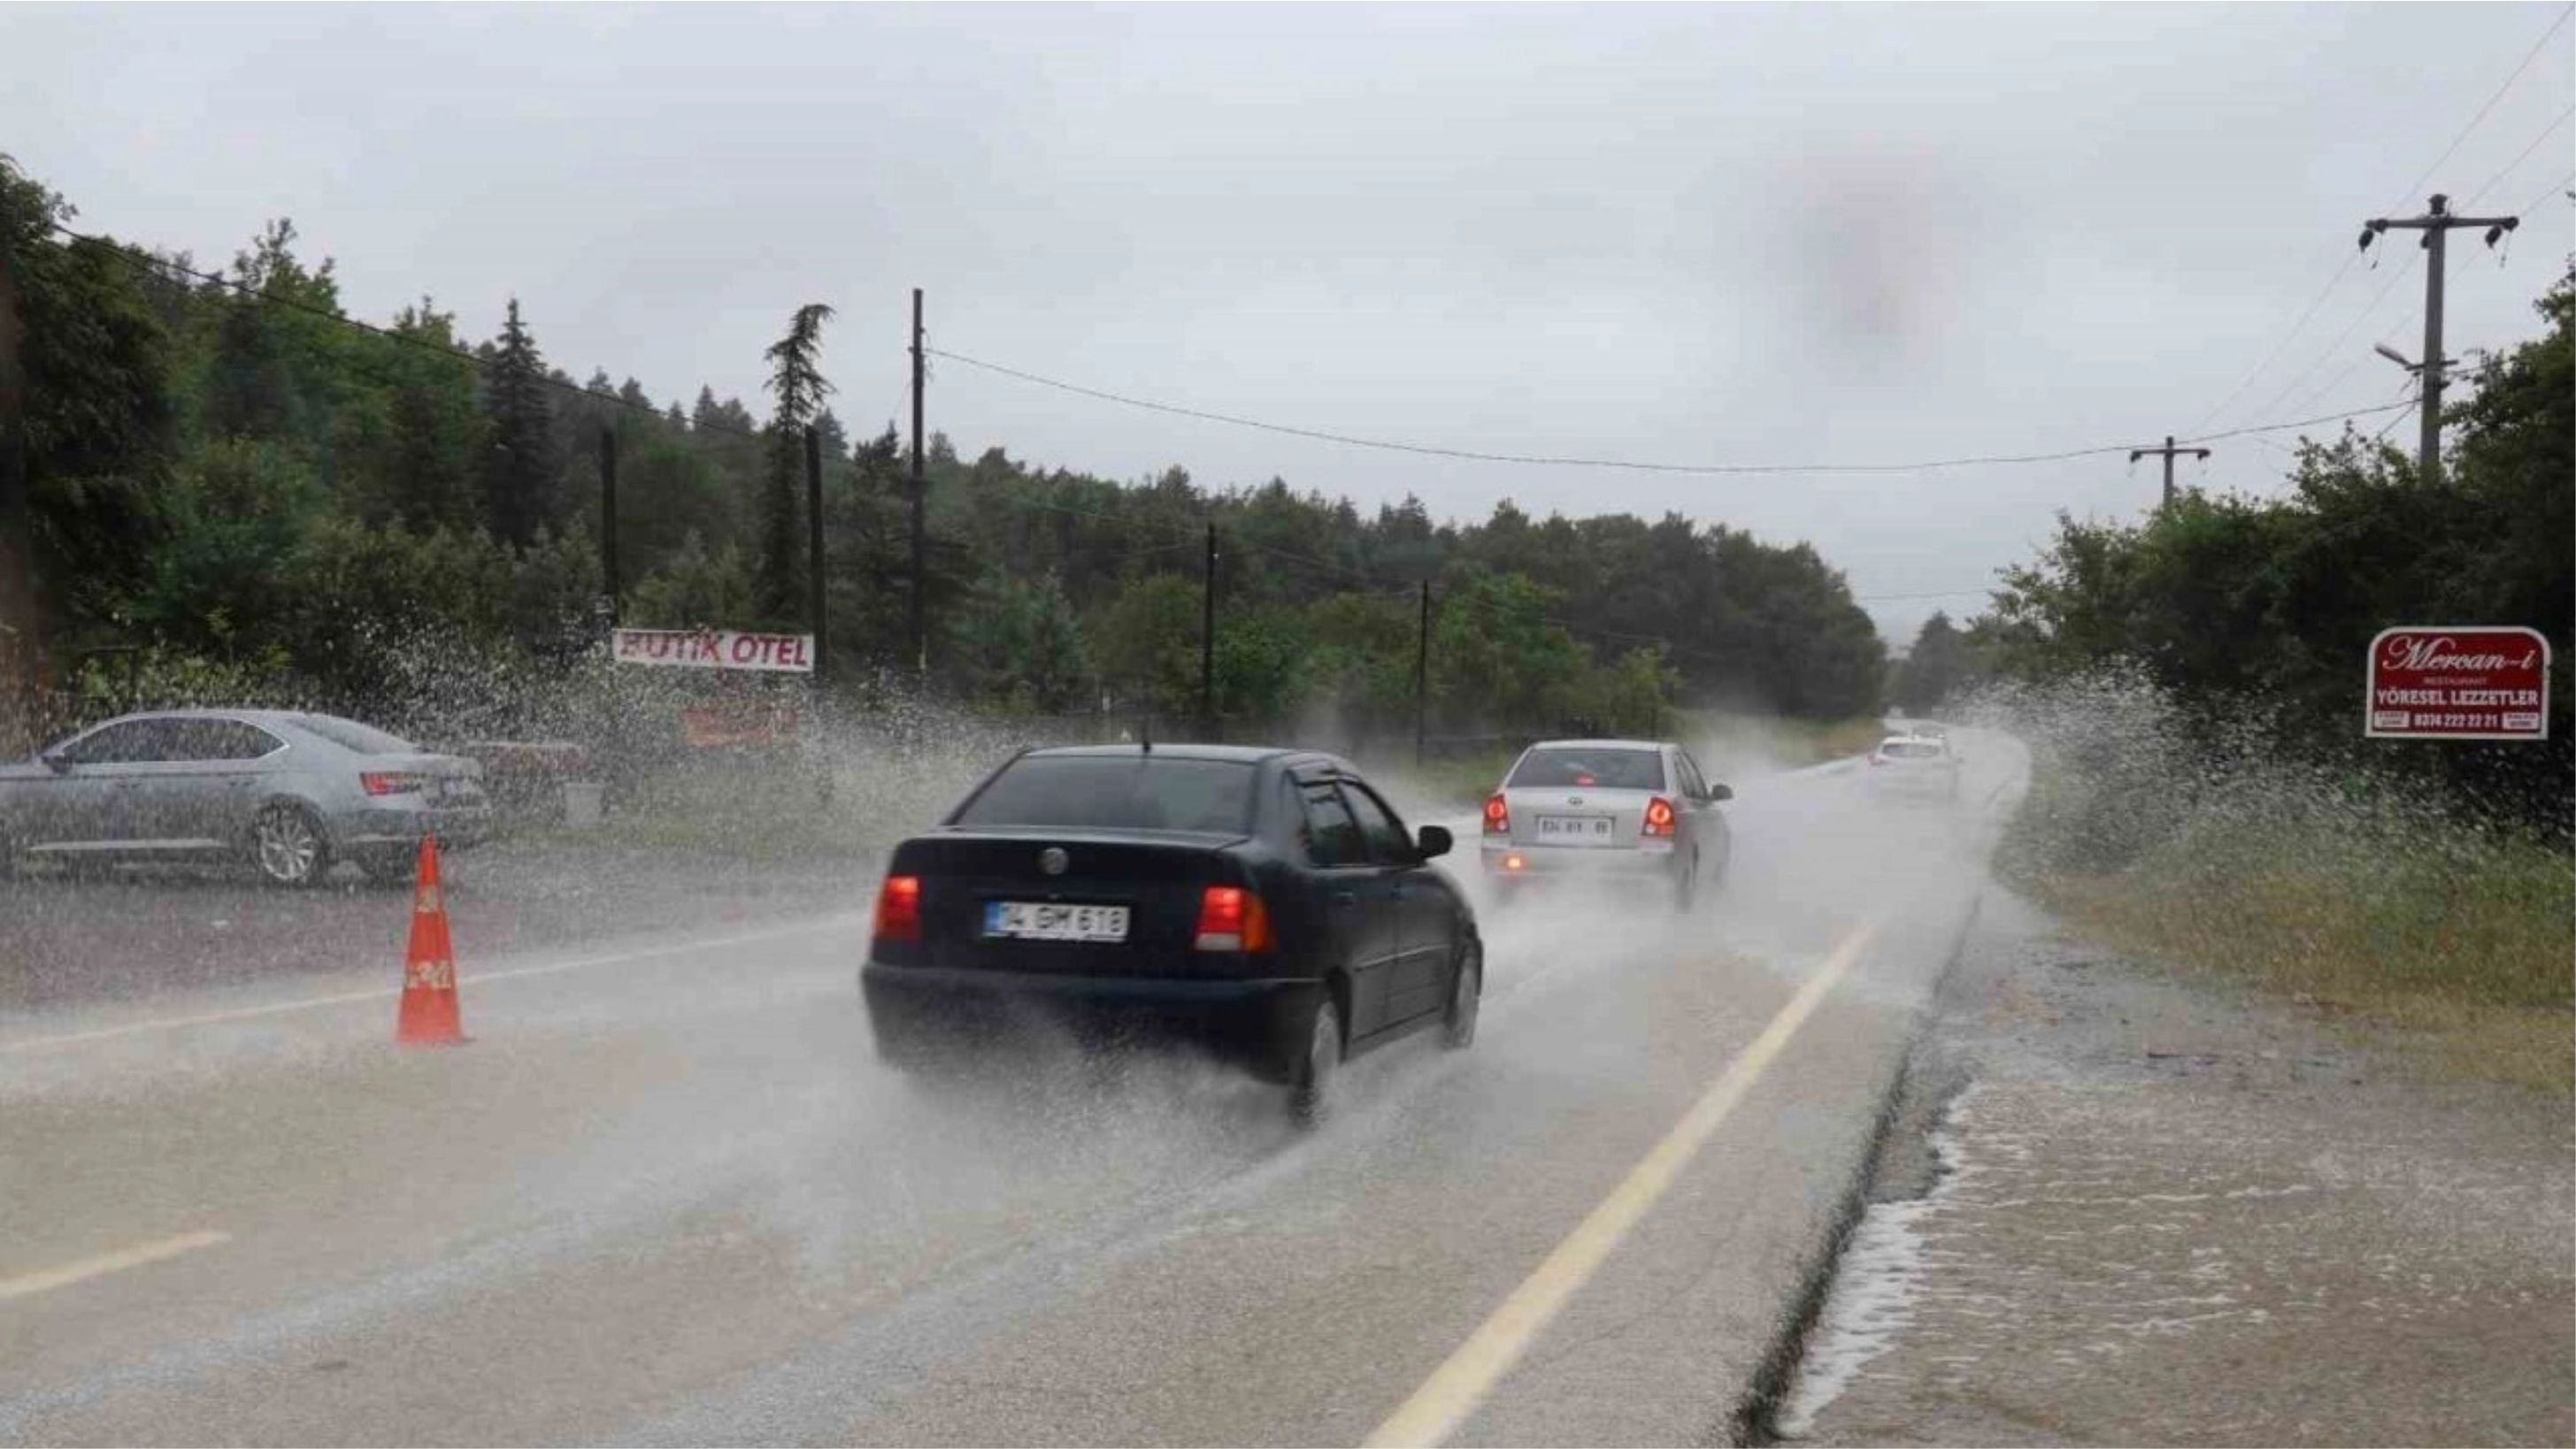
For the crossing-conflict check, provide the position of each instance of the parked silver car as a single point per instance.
(291, 792)
(1607, 808)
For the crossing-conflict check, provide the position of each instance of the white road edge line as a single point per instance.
(105, 1263)
(378, 993)
(1460, 1384)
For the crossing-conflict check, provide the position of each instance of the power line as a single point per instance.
(2556, 188)
(2498, 179)
(2345, 268)
(2528, 57)
(1540, 460)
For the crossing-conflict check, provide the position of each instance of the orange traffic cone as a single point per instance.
(429, 1016)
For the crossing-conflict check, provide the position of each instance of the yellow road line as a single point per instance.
(1456, 1388)
(105, 1263)
(379, 993)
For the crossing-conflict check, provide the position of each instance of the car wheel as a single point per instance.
(1466, 995)
(287, 845)
(1686, 888)
(1310, 1084)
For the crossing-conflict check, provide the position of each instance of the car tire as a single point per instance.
(1686, 889)
(1311, 1076)
(1466, 997)
(288, 846)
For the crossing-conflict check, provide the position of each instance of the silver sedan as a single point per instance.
(291, 792)
(1603, 809)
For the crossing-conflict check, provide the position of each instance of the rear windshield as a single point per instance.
(1910, 750)
(1117, 792)
(351, 735)
(1611, 769)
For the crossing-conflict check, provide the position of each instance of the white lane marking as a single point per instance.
(1460, 1384)
(378, 993)
(105, 1263)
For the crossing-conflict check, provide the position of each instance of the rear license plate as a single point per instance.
(1574, 827)
(1049, 921)
(455, 788)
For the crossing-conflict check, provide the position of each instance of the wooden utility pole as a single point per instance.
(2169, 451)
(920, 489)
(2436, 223)
(22, 641)
(1422, 677)
(1207, 641)
(608, 520)
(814, 550)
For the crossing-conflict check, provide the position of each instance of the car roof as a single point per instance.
(1605, 745)
(1240, 754)
(251, 716)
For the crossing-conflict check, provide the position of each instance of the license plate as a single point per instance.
(1574, 827)
(455, 787)
(1051, 921)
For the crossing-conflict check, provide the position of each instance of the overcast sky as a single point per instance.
(1670, 233)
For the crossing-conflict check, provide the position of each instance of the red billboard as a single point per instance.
(2431, 682)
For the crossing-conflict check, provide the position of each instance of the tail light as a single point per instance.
(1498, 816)
(1877, 760)
(1659, 817)
(1233, 919)
(392, 782)
(899, 909)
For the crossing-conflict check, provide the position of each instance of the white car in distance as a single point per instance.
(1917, 766)
(1599, 811)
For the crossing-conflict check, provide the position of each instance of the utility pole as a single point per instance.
(608, 520)
(2168, 450)
(1422, 676)
(22, 639)
(1207, 641)
(920, 487)
(2436, 223)
(814, 550)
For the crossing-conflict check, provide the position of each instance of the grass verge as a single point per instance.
(2464, 943)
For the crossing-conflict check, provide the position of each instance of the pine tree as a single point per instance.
(520, 489)
(798, 386)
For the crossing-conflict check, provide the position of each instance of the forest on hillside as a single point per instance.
(255, 494)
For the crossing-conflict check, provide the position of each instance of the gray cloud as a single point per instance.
(1703, 234)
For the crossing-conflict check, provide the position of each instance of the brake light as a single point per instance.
(1659, 816)
(1233, 919)
(1498, 817)
(899, 909)
(392, 782)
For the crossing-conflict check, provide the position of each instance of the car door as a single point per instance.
(1704, 828)
(90, 803)
(202, 792)
(1425, 913)
(1355, 905)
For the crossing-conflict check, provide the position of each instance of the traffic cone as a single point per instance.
(429, 1016)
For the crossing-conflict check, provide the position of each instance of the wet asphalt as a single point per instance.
(666, 1195)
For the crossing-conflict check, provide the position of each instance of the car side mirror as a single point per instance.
(60, 764)
(1720, 792)
(1435, 841)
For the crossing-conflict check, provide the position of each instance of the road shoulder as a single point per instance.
(2121, 1208)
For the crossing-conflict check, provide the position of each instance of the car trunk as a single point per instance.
(970, 880)
(1578, 818)
(455, 779)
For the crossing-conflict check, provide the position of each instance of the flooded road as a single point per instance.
(667, 1195)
